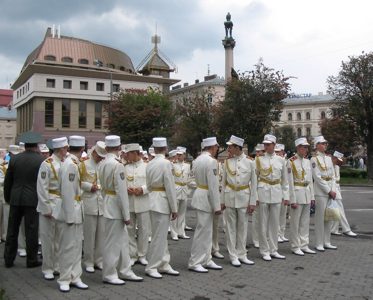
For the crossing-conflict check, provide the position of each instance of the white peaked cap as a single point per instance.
(320, 139)
(59, 142)
(210, 141)
(236, 141)
(338, 155)
(14, 149)
(280, 147)
(144, 153)
(112, 141)
(259, 147)
(269, 139)
(43, 148)
(301, 142)
(132, 147)
(159, 142)
(76, 141)
(140, 148)
(180, 150)
(172, 153)
(100, 148)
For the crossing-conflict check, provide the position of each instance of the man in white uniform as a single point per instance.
(163, 206)
(301, 195)
(70, 218)
(337, 159)
(273, 187)
(116, 256)
(206, 202)
(239, 197)
(93, 227)
(181, 172)
(280, 151)
(139, 204)
(49, 199)
(325, 189)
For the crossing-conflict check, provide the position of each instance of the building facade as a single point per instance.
(66, 85)
(305, 112)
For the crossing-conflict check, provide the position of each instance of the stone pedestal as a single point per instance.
(228, 44)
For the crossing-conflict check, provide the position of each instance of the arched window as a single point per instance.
(299, 132)
(290, 117)
(122, 68)
(322, 115)
(299, 116)
(67, 59)
(83, 61)
(111, 66)
(50, 57)
(308, 116)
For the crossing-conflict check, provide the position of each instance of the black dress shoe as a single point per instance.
(34, 264)
(9, 265)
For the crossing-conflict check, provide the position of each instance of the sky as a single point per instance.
(307, 40)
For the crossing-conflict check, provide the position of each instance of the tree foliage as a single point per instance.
(286, 135)
(194, 120)
(252, 102)
(138, 117)
(353, 92)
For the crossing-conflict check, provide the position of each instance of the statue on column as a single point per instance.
(228, 26)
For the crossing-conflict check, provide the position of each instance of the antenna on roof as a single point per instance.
(53, 30)
(208, 69)
(59, 31)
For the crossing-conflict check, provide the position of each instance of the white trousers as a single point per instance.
(6, 208)
(70, 253)
(94, 232)
(200, 252)
(49, 237)
(178, 225)
(282, 226)
(215, 231)
(139, 239)
(322, 228)
(236, 231)
(158, 254)
(255, 226)
(344, 223)
(116, 256)
(269, 214)
(299, 226)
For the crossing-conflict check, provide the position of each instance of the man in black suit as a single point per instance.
(20, 193)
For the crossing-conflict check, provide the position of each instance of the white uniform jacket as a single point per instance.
(71, 211)
(135, 178)
(3, 169)
(161, 182)
(93, 202)
(300, 180)
(273, 184)
(182, 176)
(239, 182)
(205, 170)
(323, 174)
(48, 186)
(114, 188)
(337, 184)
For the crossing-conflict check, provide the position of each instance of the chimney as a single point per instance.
(186, 84)
(197, 81)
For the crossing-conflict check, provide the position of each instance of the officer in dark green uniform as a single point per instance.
(20, 193)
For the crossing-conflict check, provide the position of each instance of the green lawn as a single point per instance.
(355, 180)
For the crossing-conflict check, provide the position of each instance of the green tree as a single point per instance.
(353, 92)
(139, 116)
(341, 134)
(194, 115)
(286, 135)
(252, 102)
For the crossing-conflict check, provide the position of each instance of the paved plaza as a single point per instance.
(346, 273)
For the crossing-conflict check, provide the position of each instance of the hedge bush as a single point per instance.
(353, 173)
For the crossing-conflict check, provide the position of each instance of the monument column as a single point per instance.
(228, 44)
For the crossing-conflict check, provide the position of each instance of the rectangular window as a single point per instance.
(84, 85)
(308, 131)
(82, 114)
(100, 86)
(51, 83)
(65, 113)
(98, 115)
(67, 84)
(49, 113)
(116, 88)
